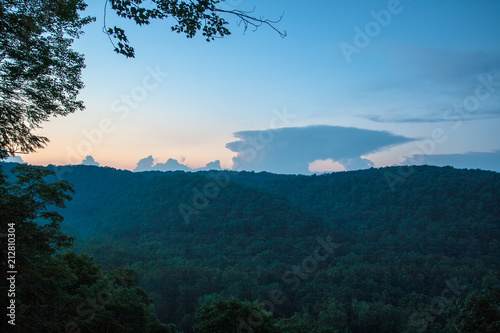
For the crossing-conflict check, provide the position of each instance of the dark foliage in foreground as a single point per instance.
(55, 291)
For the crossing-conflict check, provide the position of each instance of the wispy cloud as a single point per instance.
(471, 160)
(446, 115)
(431, 83)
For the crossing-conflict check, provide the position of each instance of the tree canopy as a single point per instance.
(231, 316)
(56, 291)
(324, 253)
(40, 74)
(480, 311)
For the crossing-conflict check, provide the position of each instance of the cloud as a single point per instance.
(171, 165)
(357, 163)
(89, 160)
(445, 115)
(148, 164)
(211, 166)
(435, 85)
(291, 150)
(327, 165)
(14, 159)
(471, 160)
(145, 164)
(452, 67)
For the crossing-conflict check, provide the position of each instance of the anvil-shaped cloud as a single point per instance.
(290, 150)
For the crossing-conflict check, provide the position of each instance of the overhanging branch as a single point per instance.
(252, 21)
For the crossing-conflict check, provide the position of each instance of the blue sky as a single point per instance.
(424, 73)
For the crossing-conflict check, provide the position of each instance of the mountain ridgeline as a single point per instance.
(377, 250)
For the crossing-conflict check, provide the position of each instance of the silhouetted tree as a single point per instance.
(39, 72)
(60, 292)
(192, 17)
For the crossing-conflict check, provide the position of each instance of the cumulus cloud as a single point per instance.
(215, 165)
(171, 165)
(291, 150)
(327, 165)
(471, 160)
(148, 164)
(89, 160)
(145, 164)
(14, 159)
(357, 163)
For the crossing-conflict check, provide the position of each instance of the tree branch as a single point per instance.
(191, 17)
(255, 22)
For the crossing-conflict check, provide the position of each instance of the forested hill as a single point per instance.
(464, 204)
(395, 238)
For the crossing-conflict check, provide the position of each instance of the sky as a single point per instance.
(355, 84)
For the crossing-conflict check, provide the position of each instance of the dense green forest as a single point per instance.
(378, 250)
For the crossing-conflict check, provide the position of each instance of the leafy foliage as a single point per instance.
(230, 316)
(480, 311)
(27, 201)
(191, 16)
(40, 75)
(57, 291)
